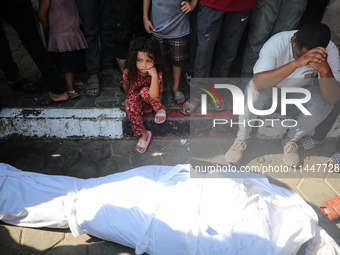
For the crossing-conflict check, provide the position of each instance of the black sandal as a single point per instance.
(24, 85)
(195, 102)
(46, 100)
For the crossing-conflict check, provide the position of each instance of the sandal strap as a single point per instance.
(142, 143)
(160, 113)
(178, 95)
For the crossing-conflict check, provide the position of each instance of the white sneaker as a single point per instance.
(235, 153)
(290, 153)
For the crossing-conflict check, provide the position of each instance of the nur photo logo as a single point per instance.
(279, 102)
(205, 87)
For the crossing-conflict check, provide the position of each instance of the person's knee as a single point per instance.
(317, 106)
(144, 93)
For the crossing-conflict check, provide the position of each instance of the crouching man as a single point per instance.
(293, 59)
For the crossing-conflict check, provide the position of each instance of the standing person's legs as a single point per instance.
(7, 64)
(289, 15)
(189, 67)
(123, 20)
(20, 16)
(179, 51)
(106, 40)
(331, 18)
(209, 24)
(261, 21)
(89, 12)
(233, 26)
(105, 32)
(89, 15)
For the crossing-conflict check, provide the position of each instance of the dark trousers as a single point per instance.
(7, 64)
(326, 125)
(189, 67)
(19, 14)
(124, 15)
(97, 26)
(223, 29)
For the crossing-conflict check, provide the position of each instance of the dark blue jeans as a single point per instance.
(97, 27)
(19, 14)
(223, 29)
(7, 64)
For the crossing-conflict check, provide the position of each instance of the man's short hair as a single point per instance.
(313, 35)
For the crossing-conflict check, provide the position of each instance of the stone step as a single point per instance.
(105, 117)
(112, 123)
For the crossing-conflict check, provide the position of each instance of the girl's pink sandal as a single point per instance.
(160, 113)
(144, 144)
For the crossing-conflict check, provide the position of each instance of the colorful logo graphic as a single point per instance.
(210, 94)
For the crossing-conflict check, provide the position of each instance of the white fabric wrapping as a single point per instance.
(160, 210)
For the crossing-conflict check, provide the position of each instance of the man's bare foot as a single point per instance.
(50, 99)
(58, 97)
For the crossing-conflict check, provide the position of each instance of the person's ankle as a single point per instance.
(285, 137)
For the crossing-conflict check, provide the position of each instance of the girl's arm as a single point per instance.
(44, 6)
(154, 87)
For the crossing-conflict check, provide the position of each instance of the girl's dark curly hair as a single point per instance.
(148, 46)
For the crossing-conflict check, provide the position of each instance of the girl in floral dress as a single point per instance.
(143, 85)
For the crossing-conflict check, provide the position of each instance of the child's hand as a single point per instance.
(152, 72)
(148, 26)
(187, 6)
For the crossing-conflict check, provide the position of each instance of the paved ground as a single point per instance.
(93, 158)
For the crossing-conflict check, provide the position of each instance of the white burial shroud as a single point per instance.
(161, 210)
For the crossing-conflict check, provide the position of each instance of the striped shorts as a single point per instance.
(177, 48)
